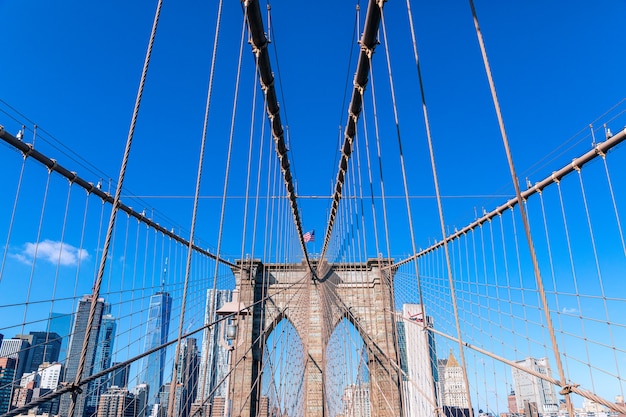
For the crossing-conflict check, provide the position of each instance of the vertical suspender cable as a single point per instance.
(368, 43)
(402, 164)
(441, 218)
(37, 240)
(172, 393)
(617, 218)
(204, 133)
(533, 255)
(12, 221)
(371, 184)
(248, 268)
(387, 283)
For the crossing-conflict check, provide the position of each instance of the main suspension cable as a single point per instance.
(259, 43)
(368, 43)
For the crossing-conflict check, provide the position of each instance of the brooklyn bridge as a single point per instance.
(316, 210)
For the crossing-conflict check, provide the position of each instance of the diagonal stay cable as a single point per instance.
(522, 211)
(259, 43)
(203, 141)
(566, 387)
(368, 43)
(114, 210)
(75, 386)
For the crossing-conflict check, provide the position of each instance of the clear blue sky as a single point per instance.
(73, 68)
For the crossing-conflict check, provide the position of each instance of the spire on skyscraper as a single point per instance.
(452, 362)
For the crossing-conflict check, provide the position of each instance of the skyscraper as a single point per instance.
(356, 400)
(50, 374)
(157, 329)
(119, 377)
(102, 360)
(39, 383)
(418, 361)
(454, 393)
(23, 395)
(61, 324)
(187, 374)
(164, 398)
(530, 389)
(7, 376)
(44, 347)
(17, 349)
(116, 402)
(75, 347)
(214, 362)
(139, 403)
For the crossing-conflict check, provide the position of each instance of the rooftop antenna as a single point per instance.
(164, 275)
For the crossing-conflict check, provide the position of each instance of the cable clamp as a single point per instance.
(264, 86)
(567, 389)
(257, 49)
(600, 152)
(369, 50)
(72, 387)
(53, 166)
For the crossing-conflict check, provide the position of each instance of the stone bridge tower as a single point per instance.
(360, 292)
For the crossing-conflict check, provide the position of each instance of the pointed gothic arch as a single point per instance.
(362, 293)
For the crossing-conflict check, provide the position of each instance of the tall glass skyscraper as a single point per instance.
(61, 324)
(157, 329)
(187, 374)
(102, 361)
(76, 344)
(44, 347)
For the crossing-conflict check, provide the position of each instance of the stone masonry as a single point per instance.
(360, 292)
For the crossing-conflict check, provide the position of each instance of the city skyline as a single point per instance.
(526, 388)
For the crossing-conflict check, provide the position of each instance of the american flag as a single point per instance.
(416, 317)
(309, 236)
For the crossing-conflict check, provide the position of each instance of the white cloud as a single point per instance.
(53, 252)
(569, 310)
